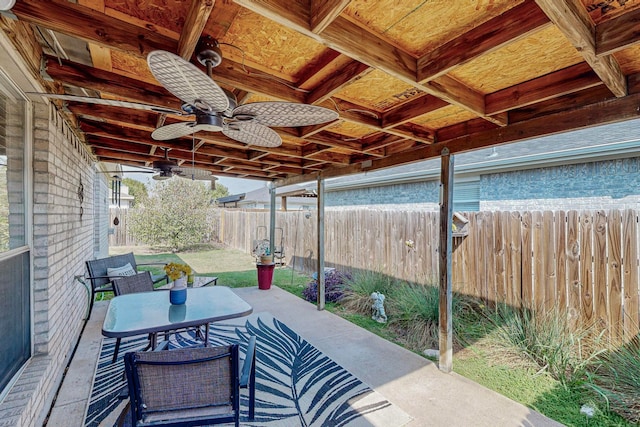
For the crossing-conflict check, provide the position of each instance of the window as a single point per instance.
(15, 296)
(466, 195)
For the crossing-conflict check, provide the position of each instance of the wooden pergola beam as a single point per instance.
(197, 17)
(618, 33)
(574, 22)
(93, 26)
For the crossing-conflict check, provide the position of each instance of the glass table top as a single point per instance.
(145, 312)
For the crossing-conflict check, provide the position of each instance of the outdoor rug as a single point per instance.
(296, 384)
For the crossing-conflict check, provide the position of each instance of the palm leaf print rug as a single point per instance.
(296, 384)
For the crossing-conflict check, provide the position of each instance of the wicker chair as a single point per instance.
(141, 282)
(187, 386)
(100, 280)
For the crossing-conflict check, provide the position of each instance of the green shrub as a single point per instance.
(617, 379)
(547, 339)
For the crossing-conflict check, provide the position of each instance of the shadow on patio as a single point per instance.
(408, 381)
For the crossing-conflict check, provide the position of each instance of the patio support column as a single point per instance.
(272, 218)
(444, 253)
(320, 296)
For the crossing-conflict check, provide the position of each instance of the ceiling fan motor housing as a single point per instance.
(209, 52)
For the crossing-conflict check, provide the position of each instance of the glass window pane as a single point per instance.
(12, 195)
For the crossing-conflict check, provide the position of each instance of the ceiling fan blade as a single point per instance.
(253, 134)
(111, 102)
(186, 81)
(174, 130)
(286, 114)
(193, 173)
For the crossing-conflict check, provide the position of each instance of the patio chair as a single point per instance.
(141, 282)
(184, 387)
(101, 281)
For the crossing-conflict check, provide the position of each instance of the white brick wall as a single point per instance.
(62, 242)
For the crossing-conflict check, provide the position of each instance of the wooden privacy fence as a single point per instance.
(586, 262)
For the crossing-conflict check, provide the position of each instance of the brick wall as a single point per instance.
(416, 194)
(62, 241)
(605, 184)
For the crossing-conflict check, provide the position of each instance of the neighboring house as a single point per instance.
(295, 198)
(594, 168)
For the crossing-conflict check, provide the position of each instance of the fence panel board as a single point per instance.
(548, 260)
(586, 262)
(527, 260)
(631, 239)
(539, 257)
(561, 258)
(574, 300)
(600, 267)
(499, 254)
(614, 274)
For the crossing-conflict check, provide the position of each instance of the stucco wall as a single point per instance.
(62, 242)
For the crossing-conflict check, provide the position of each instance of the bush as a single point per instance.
(547, 339)
(617, 379)
(334, 287)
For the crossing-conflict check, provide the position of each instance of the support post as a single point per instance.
(320, 296)
(272, 218)
(446, 224)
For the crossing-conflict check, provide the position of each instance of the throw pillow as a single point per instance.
(125, 270)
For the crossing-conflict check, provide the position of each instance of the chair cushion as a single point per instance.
(125, 270)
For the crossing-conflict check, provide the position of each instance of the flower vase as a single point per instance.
(178, 293)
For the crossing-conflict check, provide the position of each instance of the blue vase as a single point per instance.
(178, 296)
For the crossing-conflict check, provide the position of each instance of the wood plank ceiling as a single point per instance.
(408, 78)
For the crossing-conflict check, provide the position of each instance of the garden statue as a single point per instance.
(378, 308)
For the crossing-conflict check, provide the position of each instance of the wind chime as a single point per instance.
(116, 185)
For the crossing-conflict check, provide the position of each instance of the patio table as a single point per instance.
(151, 312)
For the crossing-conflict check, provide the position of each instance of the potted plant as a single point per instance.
(178, 273)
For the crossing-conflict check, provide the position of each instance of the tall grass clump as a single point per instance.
(546, 339)
(358, 291)
(617, 379)
(415, 308)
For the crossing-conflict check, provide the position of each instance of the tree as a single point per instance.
(174, 216)
(219, 191)
(137, 189)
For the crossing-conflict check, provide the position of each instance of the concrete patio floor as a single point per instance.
(407, 380)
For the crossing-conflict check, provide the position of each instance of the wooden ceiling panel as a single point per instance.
(351, 130)
(378, 91)
(131, 66)
(513, 64)
(418, 26)
(443, 117)
(269, 46)
(629, 59)
(169, 14)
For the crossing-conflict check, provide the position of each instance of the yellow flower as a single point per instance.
(175, 270)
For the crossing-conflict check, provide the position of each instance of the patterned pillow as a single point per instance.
(125, 270)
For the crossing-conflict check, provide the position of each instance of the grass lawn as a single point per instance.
(535, 390)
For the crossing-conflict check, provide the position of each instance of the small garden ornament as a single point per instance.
(378, 307)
